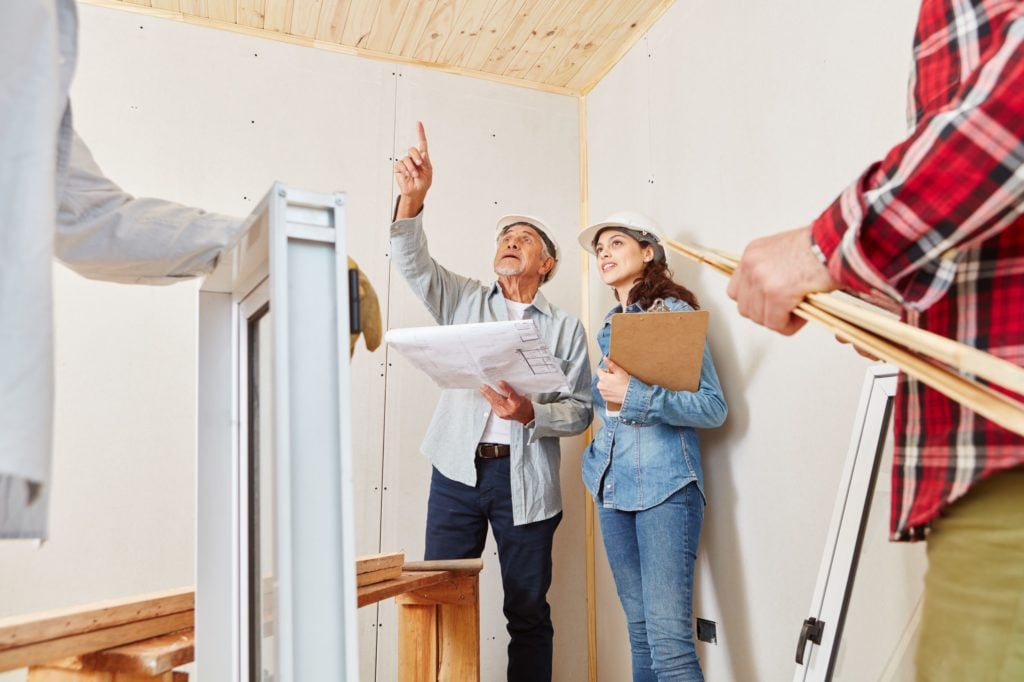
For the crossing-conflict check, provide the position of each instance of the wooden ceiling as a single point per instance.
(563, 46)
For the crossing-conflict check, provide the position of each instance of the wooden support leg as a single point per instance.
(439, 632)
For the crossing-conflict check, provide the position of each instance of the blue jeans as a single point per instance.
(457, 518)
(652, 555)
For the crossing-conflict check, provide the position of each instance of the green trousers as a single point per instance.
(972, 625)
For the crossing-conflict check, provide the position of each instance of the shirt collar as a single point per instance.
(539, 301)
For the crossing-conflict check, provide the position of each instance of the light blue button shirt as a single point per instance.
(461, 414)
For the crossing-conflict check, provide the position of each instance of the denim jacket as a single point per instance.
(651, 450)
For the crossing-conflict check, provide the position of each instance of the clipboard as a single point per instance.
(660, 348)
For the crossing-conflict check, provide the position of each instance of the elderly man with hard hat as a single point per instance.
(495, 453)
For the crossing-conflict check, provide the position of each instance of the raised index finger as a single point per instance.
(421, 134)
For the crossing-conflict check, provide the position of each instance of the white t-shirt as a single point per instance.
(498, 430)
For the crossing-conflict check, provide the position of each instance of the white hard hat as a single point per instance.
(637, 225)
(541, 227)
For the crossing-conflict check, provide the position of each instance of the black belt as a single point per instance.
(493, 450)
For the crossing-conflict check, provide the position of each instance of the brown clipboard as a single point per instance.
(660, 348)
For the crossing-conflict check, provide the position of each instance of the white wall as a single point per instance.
(211, 118)
(728, 121)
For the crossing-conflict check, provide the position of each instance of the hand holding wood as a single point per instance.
(774, 275)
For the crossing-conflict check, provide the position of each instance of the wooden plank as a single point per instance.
(22, 630)
(461, 565)
(518, 30)
(305, 17)
(612, 17)
(278, 16)
(436, 30)
(467, 28)
(333, 14)
(53, 675)
(152, 657)
(96, 640)
(414, 22)
(551, 26)
(170, 5)
(378, 576)
(221, 10)
(140, 3)
(618, 44)
(374, 562)
(456, 591)
(250, 13)
(372, 594)
(567, 39)
(361, 14)
(491, 33)
(385, 25)
(196, 8)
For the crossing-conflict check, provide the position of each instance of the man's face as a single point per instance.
(521, 253)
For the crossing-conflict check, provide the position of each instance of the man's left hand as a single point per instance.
(773, 277)
(511, 406)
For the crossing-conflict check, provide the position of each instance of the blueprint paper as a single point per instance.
(470, 355)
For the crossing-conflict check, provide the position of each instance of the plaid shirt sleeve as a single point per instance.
(956, 181)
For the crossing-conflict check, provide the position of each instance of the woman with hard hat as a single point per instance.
(643, 467)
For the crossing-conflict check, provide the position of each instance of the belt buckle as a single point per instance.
(489, 451)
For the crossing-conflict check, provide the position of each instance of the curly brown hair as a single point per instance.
(656, 282)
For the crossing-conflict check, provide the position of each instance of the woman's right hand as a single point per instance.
(414, 174)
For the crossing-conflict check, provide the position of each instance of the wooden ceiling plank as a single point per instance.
(305, 17)
(169, 5)
(141, 3)
(278, 16)
(196, 8)
(438, 29)
(613, 18)
(361, 14)
(389, 18)
(567, 39)
(520, 28)
(221, 10)
(554, 23)
(467, 28)
(414, 21)
(620, 42)
(250, 13)
(333, 14)
(491, 33)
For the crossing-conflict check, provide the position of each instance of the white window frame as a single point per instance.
(293, 256)
(846, 531)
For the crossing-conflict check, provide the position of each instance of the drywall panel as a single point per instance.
(729, 121)
(495, 150)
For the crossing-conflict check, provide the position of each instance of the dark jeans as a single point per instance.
(457, 517)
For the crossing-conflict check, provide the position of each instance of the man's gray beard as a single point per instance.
(509, 270)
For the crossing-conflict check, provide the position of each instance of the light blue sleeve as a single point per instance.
(704, 408)
(570, 412)
(438, 288)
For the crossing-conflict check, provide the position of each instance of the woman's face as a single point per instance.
(620, 258)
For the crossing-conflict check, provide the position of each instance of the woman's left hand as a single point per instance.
(612, 382)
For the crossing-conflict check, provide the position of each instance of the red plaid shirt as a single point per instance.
(938, 226)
